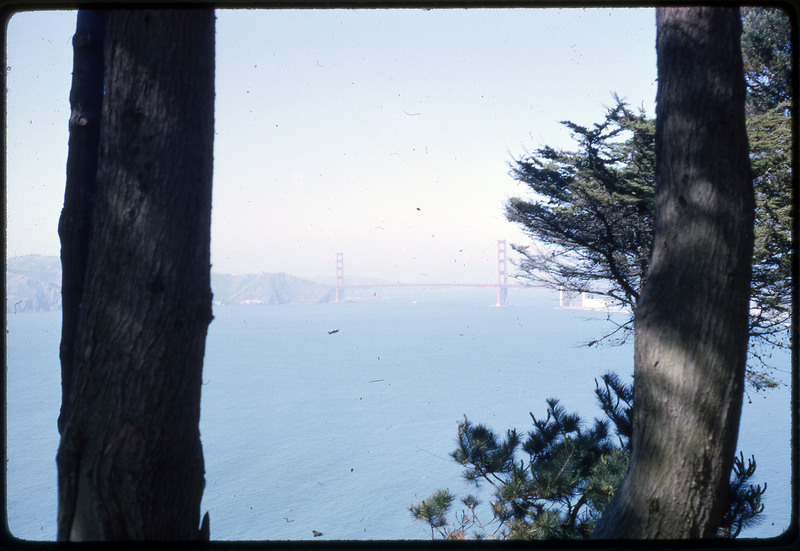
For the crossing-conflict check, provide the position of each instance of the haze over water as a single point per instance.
(307, 429)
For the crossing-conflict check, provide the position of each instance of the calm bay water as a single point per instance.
(336, 417)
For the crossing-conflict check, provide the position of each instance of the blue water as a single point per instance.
(304, 429)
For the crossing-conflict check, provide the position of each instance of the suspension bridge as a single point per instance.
(502, 285)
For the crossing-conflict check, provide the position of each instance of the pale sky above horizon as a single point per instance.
(382, 134)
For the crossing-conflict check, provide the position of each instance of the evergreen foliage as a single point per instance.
(745, 499)
(556, 482)
(767, 55)
(592, 210)
(593, 207)
(591, 219)
(434, 510)
(771, 161)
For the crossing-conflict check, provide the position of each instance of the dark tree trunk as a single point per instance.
(86, 104)
(130, 460)
(692, 319)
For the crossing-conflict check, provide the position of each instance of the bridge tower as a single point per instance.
(339, 276)
(502, 273)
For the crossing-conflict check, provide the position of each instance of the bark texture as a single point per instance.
(692, 319)
(86, 104)
(130, 460)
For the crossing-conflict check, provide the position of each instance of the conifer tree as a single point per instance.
(592, 215)
(557, 481)
(595, 216)
(590, 204)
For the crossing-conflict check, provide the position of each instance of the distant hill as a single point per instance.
(33, 284)
(267, 289)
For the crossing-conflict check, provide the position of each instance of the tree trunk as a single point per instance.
(130, 460)
(692, 319)
(86, 104)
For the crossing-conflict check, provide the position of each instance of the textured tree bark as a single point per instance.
(692, 319)
(86, 103)
(130, 460)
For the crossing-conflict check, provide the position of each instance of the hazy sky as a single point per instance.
(381, 134)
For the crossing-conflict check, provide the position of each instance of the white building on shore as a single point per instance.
(582, 301)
